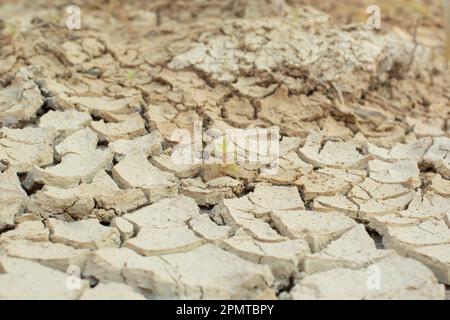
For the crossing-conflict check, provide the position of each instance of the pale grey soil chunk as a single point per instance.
(73, 169)
(329, 182)
(102, 199)
(290, 168)
(226, 182)
(426, 127)
(25, 148)
(354, 250)
(317, 228)
(12, 198)
(245, 219)
(157, 241)
(276, 197)
(22, 279)
(135, 171)
(378, 190)
(80, 162)
(165, 163)
(440, 186)
(125, 228)
(71, 53)
(411, 151)
(375, 198)
(428, 233)
(439, 155)
(212, 192)
(65, 122)
(204, 227)
(284, 258)
(170, 212)
(100, 106)
(106, 264)
(399, 278)
(130, 126)
(53, 255)
(78, 142)
(427, 205)
(337, 203)
(149, 144)
(382, 223)
(188, 275)
(166, 119)
(27, 230)
(340, 155)
(402, 171)
(21, 99)
(161, 118)
(437, 258)
(81, 234)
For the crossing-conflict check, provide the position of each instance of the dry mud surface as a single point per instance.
(93, 207)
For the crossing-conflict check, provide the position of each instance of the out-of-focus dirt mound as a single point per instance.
(88, 178)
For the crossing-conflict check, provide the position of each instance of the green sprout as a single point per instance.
(131, 75)
(231, 169)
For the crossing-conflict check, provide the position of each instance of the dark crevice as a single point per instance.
(376, 237)
(286, 288)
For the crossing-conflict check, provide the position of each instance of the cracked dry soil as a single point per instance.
(87, 180)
